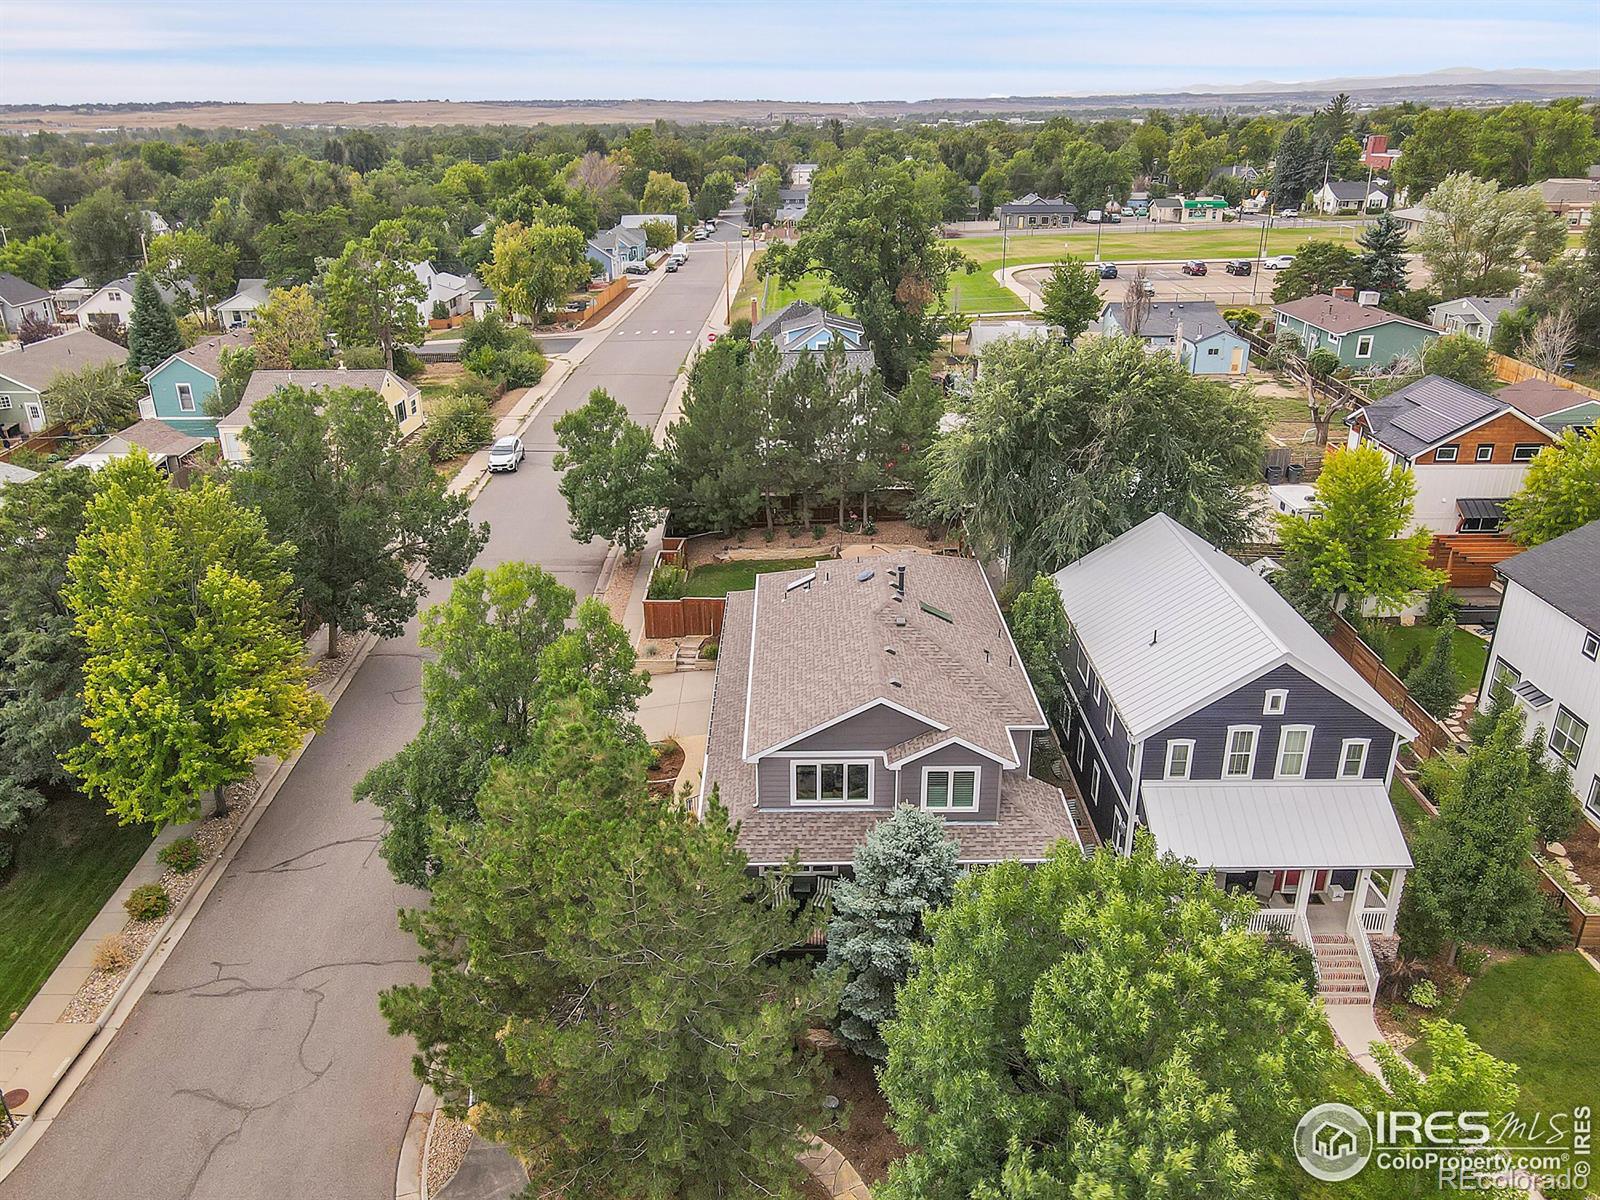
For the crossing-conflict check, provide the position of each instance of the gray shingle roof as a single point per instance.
(1349, 189)
(207, 355)
(619, 235)
(36, 366)
(1032, 816)
(1427, 412)
(1198, 318)
(1564, 573)
(250, 292)
(15, 290)
(1035, 203)
(1333, 315)
(1569, 191)
(1170, 623)
(263, 383)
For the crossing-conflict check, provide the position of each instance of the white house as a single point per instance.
(640, 220)
(1349, 196)
(1546, 649)
(112, 304)
(239, 309)
(800, 174)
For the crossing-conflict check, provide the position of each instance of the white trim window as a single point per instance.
(831, 781)
(1180, 758)
(1353, 758)
(1485, 452)
(185, 398)
(1111, 720)
(1239, 753)
(1294, 752)
(1364, 346)
(1099, 692)
(950, 789)
(1094, 781)
(1131, 751)
(1567, 734)
(1446, 453)
(1276, 701)
(1080, 747)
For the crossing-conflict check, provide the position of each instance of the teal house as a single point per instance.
(1364, 336)
(181, 385)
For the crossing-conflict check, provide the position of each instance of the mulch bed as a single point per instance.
(1583, 850)
(665, 773)
(862, 1133)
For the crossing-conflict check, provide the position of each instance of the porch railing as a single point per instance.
(1373, 920)
(1369, 968)
(1268, 919)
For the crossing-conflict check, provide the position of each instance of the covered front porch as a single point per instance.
(1326, 861)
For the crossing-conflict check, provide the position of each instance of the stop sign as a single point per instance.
(710, 337)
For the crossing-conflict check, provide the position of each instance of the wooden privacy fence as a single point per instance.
(691, 616)
(1431, 736)
(1514, 370)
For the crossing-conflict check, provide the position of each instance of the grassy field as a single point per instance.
(980, 293)
(70, 860)
(1403, 644)
(718, 579)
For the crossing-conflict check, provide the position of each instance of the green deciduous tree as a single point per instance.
(1102, 1026)
(715, 194)
(44, 260)
(42, 662)
(535, 268)
(503, 654)
(104, 232)
(602, 988)
(1475, 236)
(372, 293)
(1063, 450)
(153, 334)
(664, 194)
(904, 869)
(99, 399)
(1071, 297)
(610, 475)
(1461, 357)
(1560, 493)
(235, 365)
(290, 331)
(193, 666)
(198, 270)
(1318, 268)
(23, 212)
(876, 237)
(1358, 544)
(1438, 144)
(328, 473)
(1039, 627)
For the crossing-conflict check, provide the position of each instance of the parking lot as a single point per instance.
(1172, 284)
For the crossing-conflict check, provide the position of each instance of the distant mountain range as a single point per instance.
(1458, 85)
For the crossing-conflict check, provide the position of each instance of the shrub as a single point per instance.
(523, 367)
(441, 311)
(1443, 604)
(869, 527)
(769, 534)
(407, 364)
(1305, 962)
(669, 582)
(1424, 994)
(181, 855)
(1551, 804)
(458, 423)
(1434, 684)
(817, 531)
(149, 902)
(362, 358)
(739, 330)
(708, 650)
(1471, 959)
(1241, 318)
(114, 952)
(29, 459)
(501, 353)
(1551, 930)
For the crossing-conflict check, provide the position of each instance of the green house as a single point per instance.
(1364, 336)
(181, 384)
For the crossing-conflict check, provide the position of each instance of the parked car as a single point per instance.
(577, 306)
(1239, 266)
(1094, 216)
(711, 225)
(701, 235)
(1290, 214)
(1108, 270)
(637, 268)
(1113, 218)
(1194, 267)
(506, 454)
(1148, 288)
(672, 266)
(1278, 261)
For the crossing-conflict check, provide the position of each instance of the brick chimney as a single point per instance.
(1344, 293)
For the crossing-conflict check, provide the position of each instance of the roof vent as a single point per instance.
(805, 581)
(1153, 635)
(894, 683)
(899, 620)
(865, 575)
(937, 612)
(888, 649)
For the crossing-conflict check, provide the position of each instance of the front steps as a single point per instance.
(1340, 979)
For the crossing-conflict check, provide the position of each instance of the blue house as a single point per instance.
(1202, 707)
(181, 384)
(618, 251)
(1192, 329)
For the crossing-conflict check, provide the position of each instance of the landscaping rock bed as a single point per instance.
(752, 543)
(448, 1143)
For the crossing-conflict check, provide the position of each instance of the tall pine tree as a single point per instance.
(153, 330)
(1383, 255)
(1290, 166)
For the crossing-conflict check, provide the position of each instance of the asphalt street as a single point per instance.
(257, 1064)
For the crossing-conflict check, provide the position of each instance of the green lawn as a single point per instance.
(718, 579)
(1541, 1012)
(1411, 815)
(1471, 654)
(69, 862)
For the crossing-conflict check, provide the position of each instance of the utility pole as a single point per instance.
(1261, 256)
(727, 290)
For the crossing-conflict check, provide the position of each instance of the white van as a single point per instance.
(679, 251)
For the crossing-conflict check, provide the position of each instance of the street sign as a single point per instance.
(710, 338)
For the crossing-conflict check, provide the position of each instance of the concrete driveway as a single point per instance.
(257, 1064)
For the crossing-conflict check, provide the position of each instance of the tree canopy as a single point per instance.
(372, 293)
(1560, 492)
(610, 476)
(1071, 297)
(1059, 451)
(1476, 235)
(535, 268)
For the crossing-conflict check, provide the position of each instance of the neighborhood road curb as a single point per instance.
(75, 1069)
(410, 1179)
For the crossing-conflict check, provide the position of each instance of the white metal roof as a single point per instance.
(1171, 623)
(1248, 826)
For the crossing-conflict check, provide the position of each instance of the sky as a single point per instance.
(115, 51)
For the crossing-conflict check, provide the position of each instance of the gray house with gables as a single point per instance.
(1203, 708)
(847, 689)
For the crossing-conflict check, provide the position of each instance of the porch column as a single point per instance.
(1393, 907)
(1302, 901)
(1359, 901)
